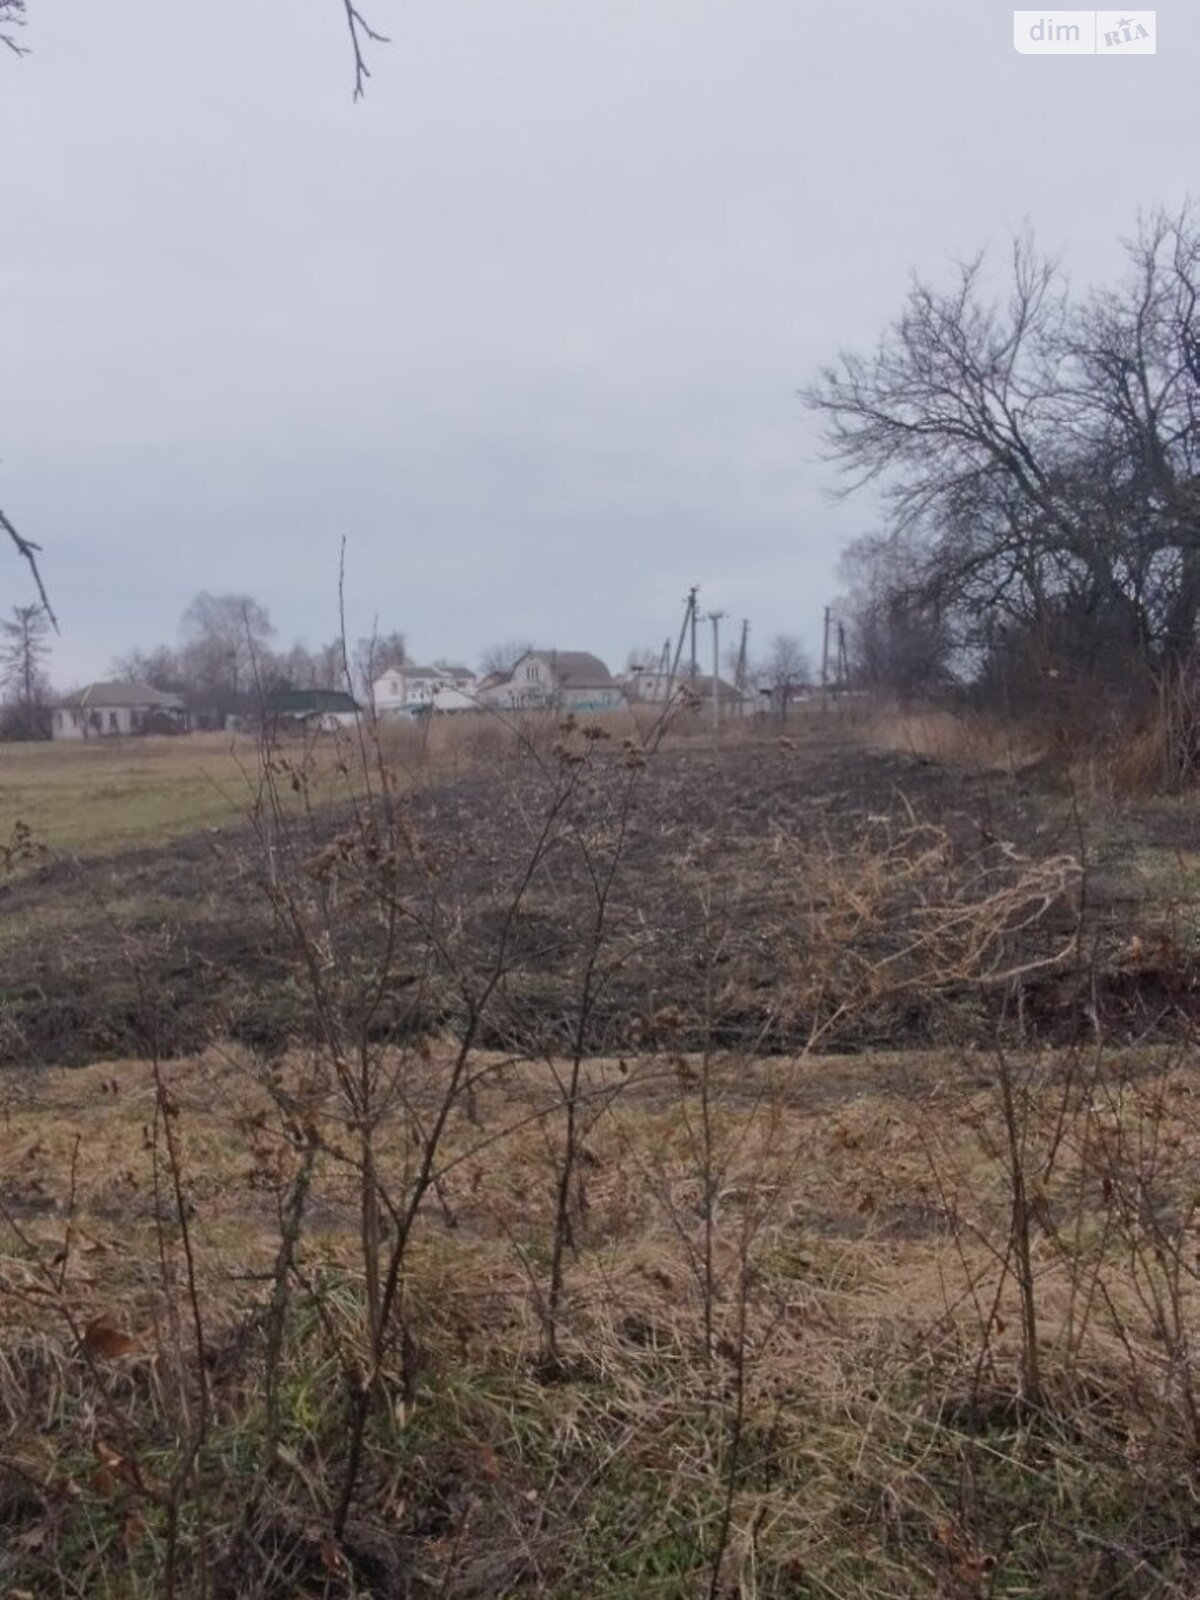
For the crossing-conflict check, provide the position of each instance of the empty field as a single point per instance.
(100, 795)
(586, 1167)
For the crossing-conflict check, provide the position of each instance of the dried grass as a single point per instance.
(872, 1226)
(975, 740)
(395, 1314)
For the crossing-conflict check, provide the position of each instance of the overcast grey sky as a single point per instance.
(525, 326)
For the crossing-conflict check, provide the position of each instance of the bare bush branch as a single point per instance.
(361, 34)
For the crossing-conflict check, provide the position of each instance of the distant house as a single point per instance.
(542, 680)
(462, 677)
(108, 710)
(216, 710)
(648, 686)
(733, 702)
(325, 709)
(410, 690)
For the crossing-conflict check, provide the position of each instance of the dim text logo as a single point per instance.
(1085, 33)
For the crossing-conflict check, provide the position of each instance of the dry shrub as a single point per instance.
(1157, 747)
(975, 739)
(899, 909)
(1113, 744)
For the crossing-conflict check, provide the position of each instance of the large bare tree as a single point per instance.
(225, 640)
(1039, 452)
(499, 659)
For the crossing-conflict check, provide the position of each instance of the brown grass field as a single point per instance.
(106, 794)
(824, 1226)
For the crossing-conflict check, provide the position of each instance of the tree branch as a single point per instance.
(30, 551)
(361, 32)
(12, 15)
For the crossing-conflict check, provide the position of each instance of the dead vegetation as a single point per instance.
(813, 853)
(544, 1247)
(789, 1350)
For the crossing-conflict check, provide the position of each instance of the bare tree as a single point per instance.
(23, 653)
(787, 669)
(502, 658)
(224, 635)
(896, 639)
(300, 668)
(645, 659)
(158, 668)
(1042, 454)
(374, 655)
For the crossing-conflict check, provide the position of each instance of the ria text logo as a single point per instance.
(1085, 33)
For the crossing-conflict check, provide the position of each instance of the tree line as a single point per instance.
(224, 662)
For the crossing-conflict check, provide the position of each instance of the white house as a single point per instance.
(325, 710)
(567, 680)
(648, 686)
(107, 710)
(410, 690)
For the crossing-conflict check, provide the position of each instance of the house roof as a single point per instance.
(572, 669)
(117, 696)
(703, 685)
(409, 669)
(304, 702)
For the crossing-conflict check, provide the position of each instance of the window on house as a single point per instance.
(113, 725)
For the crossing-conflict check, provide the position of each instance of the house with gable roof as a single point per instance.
(560, 680)
(108, 710)
(411, 690)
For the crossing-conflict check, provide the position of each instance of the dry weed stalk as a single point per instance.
(900, 911)
(366, 907)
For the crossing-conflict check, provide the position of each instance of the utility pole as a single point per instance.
(843, 659)
(689, 618)
(739, 681)
(825, 654)
(715, 618)
(739, 676)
